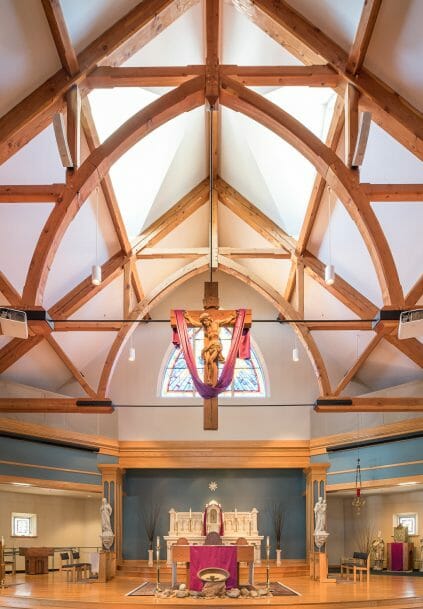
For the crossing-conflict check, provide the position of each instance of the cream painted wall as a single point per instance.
(61, 521)
(345, 527)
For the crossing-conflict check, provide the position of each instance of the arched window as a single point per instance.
(248, 378)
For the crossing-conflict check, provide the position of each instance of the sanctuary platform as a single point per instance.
(53, 591)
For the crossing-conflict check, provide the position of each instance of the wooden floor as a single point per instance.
(53, 591)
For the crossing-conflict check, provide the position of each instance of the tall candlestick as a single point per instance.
(158, 541)
(190, 513)
(267, 541)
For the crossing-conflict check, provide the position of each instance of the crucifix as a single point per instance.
(211, 319)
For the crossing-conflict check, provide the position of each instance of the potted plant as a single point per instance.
(150, 515)
(278, 521)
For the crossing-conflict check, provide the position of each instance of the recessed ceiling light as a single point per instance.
(407, 483)
(21, 484)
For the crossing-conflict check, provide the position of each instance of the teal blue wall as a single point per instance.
(42, 454)
(393, 456)
(243, 489)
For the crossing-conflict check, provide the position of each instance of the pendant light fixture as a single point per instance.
(96, 269)
(330, 268)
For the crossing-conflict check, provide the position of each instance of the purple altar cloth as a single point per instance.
(397, 557)
(203, 557)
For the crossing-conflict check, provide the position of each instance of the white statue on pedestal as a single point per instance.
(378, 549)
(320, 516)
(320, 533)
(107, 534)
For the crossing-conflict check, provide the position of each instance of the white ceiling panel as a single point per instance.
(36, 163)
(77, 251)
(180, 44)
(20, 227)
(28, 56)
(244, 43)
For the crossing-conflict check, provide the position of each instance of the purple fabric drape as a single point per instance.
(397, 556)
(225, 379)
(222, 557)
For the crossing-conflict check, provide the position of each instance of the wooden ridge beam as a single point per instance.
(126, 36)
(369, 404)
(212, 10)
(105, 77)
(342, 180)
(363, 34)
(67, 405)
(36, 193)
(283, 76)
(255, 252)
(179, 212)
(359, 362)
(77, 375)
(352, 325)
(188, 96)
(151, 253)
(62, 40)
(390, 110)
(393, 192)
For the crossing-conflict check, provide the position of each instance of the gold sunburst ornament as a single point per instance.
(213, 486)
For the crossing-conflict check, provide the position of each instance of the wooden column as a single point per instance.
(315, 488)
(111, 476)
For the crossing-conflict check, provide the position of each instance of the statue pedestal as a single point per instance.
(319, 568)
(106, 566)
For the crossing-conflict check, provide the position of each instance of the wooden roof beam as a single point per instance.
(369, 404)
(415, 293)
(283, 76)
(105, 77)
(392, 193)
(184, 208)
(289, 27)
(36, 193)
(363, 35)
(15, 349)
(348, 377)
(411, 347)
(119, 42)
(9, 291)
(77, 375)
(93, 141)
(66, 405)
(60, 33)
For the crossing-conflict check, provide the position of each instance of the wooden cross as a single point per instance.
(211, 319)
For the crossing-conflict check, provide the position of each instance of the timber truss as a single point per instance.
(325, 64)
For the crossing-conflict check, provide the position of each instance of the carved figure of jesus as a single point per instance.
(320, 516)
(211, 353)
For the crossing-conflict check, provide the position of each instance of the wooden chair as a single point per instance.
(364, 567)
(213, 539)
(82, 567)
(66, 566)
(359, 563)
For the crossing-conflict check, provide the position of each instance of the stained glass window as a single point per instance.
(248, 378)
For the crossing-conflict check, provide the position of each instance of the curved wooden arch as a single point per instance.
(188, 272)
(184, 98)
(343, 180)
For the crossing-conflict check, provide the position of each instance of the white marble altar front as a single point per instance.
(236, 524)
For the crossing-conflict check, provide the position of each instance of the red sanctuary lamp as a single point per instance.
(358, 501)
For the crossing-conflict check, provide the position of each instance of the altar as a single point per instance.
(190, 525)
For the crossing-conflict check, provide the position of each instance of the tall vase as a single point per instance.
(278, 557)
(150, 558)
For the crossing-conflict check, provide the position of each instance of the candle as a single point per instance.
(236, 512)
(158, 541)
(267, 541)
(190, 514)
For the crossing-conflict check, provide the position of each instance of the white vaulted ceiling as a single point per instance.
(163, 167)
